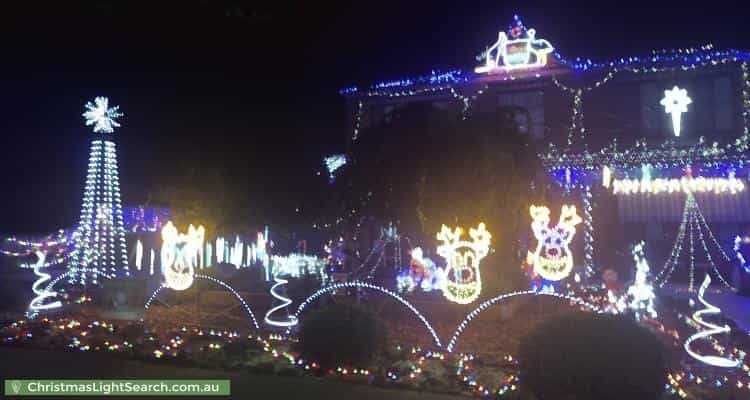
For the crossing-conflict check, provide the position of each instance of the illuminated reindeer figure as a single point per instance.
(552, 258)
(178, 255)
(463, 280)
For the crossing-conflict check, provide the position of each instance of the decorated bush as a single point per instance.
(591, 356)
(341, 334)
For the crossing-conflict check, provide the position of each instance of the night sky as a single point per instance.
(248, 90)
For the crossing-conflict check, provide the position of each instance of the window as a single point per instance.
(711, 113)
(529, 115)
(723, 104)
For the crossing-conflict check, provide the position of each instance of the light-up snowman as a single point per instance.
(178, 255)
(552, 258)
(463, 282)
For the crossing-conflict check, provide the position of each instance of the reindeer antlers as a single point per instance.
(569, 217)
(539, 214)
(480, 235)
(448, 236)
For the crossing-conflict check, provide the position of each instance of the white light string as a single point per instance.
(588, 233)
(712, 329)
(285, 302)
(68, 274)
(694, 222)
(38, 303)
(364, 285)
(242, 301)
(485, 305)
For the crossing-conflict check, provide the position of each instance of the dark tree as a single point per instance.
(593, 356)
(424, 166)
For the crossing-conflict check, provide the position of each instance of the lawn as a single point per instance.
(30, 363)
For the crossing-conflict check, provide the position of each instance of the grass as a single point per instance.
(24, 363)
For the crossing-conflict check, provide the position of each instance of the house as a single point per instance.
(630, 142)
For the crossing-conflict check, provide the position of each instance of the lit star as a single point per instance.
(101, 116)
(675, 102)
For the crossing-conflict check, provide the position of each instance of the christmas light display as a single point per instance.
(70, 273)
(588, 234)
(422, 273)
(250, 314)
(101, 115)
(138, 254)
(463, 282)
(178, 255)
(236, 253)
(334, 163)
(99, 241)
(730, 185)
(220, 249)
(389, 239)
(640, 296)
(142, 219)
(712, 329)
(260, 252)
(42, 295)
(552, 258)
(364, 285)
(675, 103)
(291, 320)
(522, 50)
(495, 300)
(357, 120)
(55, 247)
(695, 225)
(738, 242)
(297, 265)
(242, 255)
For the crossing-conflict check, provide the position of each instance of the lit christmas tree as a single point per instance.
(100, 238)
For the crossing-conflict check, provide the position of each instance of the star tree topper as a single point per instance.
(675, 102)
(101, 115)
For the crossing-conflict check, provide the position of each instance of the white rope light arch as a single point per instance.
(365, 285)
(70, 273)
(242, 301)
(491, 302)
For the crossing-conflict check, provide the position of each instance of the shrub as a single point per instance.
(341, 334)
(592, 356)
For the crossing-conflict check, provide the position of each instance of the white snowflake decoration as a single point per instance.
(675, 103)
(101, 115)
(333, 163)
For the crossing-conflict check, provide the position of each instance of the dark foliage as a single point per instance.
(341, 334)
(423, 166)
(590, 356)
(299, 288)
